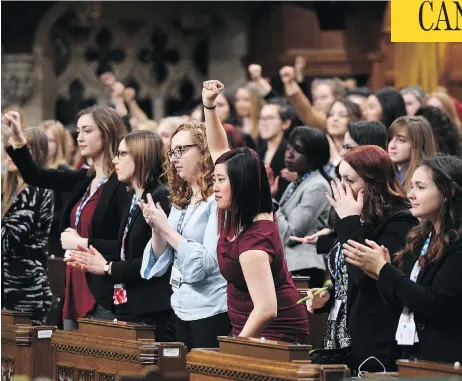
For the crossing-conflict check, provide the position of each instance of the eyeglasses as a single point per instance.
(121, 154)
(180, 150)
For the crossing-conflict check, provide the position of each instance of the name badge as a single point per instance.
(405, 334)
(335, 309)
(175, 277)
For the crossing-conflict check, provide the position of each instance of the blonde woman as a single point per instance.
(27, 214)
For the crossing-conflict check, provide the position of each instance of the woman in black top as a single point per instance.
(370, 204)
(426, 285)
(139, 164)
(100, 131)
(27, 214)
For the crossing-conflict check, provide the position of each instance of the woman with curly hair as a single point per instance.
(447, 136)
(188, 239)
(370, 204)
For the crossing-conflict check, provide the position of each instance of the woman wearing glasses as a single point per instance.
(95, 204)
(138, 164)
(188, 240)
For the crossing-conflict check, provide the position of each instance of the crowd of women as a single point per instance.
(200, 231)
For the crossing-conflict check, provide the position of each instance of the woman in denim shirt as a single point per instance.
(187, 241)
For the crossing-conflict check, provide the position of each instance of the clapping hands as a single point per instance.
(154, 214)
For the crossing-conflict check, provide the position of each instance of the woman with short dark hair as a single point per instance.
(262, 297)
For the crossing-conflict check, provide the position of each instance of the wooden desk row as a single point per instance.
(106, 351)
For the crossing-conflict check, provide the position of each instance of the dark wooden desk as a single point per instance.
(427, 369)
(101, 350)
(26, 349)
(255, 359)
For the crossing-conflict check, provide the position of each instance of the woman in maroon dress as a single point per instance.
(262, 297)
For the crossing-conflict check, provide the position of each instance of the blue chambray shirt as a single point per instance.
(202, 292)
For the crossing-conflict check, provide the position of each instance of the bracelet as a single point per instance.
(209, 108)
(19, 145)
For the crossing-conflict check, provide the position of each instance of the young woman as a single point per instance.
(414, 98)
(261, 294)
(27, 214)
(370, 204)
(248, 104)
(303, 208)
(427, 278)
(188, 239)
(94, 209)
(341, 114)
(57, 159)
(365, 133)
(410, 140)
(138, 164)
(384, 105)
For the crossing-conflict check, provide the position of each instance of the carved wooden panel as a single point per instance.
(64, 373)
(106, 377)
(85, 375)
(7, 368)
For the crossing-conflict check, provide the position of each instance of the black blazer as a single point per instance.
(144, 296)
(371, 322)
(106, 218)
(435, 299)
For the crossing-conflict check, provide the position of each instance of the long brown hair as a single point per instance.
(423, 143)
(447, 175)
(448, 106)
(146, 149)
(12, 182)
(59, 135)
(383, 193)
(180, 190)
(112, 129)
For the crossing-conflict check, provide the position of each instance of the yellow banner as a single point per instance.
(426, 20)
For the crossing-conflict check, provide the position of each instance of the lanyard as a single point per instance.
(338, 266)
(180, 226)
(416, 269)
(130, 215)
(293, 186)
(85, 200)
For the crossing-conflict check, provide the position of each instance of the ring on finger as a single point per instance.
(359, 254)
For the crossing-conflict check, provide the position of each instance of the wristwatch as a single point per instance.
(106, 268)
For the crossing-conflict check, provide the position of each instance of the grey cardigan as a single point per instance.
(304, 213)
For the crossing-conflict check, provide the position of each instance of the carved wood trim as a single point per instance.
(231, 374)
(85, 375)
(64, 373)
(106, 377)
(7, 368)
(111, 355)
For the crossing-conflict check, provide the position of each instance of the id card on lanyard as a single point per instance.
(84, 200)
(175, 277)
(406, 333)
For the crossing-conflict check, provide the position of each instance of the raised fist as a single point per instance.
(11, 127)
(118, 90)
(287, 74)
(255, 72)
(129, 94)
(210, 92)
